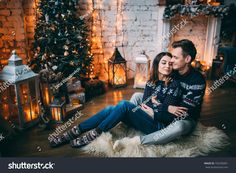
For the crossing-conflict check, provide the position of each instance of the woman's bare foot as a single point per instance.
(120, 144)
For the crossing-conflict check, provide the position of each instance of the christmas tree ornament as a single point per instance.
(69, 12)
(68, 41)
(71, 63)
(79, 37)
(66, 47)
(56, 2)
(54, 68)
(52, 55)
(44, 57)
(66, 53)
(46, 18)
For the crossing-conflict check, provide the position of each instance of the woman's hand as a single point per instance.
(154, 101)
(148, 110)
(177, 110)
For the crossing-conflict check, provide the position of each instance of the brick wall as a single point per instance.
(195, 30)
(16, 16)
(129, 25)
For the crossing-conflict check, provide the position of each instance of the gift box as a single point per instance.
(93, 87)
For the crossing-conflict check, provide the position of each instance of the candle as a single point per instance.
(46, 94)
(27, 114)
(119, 77)
(5, 111)
(56, 114)
(35, 111)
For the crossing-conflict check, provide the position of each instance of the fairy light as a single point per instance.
(96, 32)
(98, 26)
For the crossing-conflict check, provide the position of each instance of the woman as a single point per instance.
(147, 118)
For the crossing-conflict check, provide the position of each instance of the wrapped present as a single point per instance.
(74, 86)
(77, 98)
(93, 87)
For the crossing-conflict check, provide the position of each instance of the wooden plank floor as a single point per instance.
(219, 109)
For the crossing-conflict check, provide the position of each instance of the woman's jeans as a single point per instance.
(122, 112)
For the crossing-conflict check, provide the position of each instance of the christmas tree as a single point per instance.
(61, 39)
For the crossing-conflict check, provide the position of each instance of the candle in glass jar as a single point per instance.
(27, 114)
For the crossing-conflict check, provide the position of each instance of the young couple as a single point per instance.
(167, 95)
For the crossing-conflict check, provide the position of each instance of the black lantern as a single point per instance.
(58, 109)
(19, 95)
(117, 70)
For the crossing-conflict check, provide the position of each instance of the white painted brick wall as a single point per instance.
(140, 28)
(137, 30)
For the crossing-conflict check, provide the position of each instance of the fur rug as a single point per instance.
(203, 141)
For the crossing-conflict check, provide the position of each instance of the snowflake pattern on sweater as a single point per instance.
(166, 95)
(193, 87)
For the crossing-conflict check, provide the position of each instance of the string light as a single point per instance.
(98, 26)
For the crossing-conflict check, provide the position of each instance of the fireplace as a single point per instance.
(201, 28)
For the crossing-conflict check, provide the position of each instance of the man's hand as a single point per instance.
(177, 110)
(148, 110)
(155, 101)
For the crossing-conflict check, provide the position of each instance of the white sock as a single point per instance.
(120, 144)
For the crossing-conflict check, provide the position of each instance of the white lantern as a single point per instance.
(19, 94)
(142, 67)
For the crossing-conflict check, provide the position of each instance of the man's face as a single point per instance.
(178, 60)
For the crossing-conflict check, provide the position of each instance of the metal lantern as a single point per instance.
(45, 91)
(142, 67)
(117, 70)
(58, 109)
(19, 93)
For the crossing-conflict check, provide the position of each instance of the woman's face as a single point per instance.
(165, 66)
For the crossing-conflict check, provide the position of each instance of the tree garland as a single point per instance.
(195, 10)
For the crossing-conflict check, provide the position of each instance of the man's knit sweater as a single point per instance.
(193, 87)
(185, 90)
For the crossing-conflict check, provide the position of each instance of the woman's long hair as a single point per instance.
(154, 71)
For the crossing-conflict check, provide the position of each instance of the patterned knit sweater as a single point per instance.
(166, 95)
(193, 87)
(185, 90)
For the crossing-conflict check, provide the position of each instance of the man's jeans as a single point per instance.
(165, 135)
(122, 112)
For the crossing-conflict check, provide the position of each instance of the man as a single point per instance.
(187, 114)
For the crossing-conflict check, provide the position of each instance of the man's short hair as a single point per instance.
(187, 46)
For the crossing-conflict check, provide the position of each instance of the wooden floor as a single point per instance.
(219, 109)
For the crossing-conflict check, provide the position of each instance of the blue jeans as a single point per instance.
(122, 112)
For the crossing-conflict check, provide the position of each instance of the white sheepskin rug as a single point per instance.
(201, 142)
